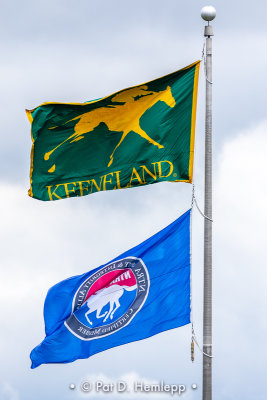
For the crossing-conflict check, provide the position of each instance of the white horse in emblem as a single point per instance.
(109, 295)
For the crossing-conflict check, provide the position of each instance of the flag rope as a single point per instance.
(194, 338)
(194, 200)
(191, 286)
(203, 58)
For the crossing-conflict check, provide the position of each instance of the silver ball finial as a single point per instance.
(208, 13)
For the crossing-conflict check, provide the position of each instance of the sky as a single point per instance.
(76, 51)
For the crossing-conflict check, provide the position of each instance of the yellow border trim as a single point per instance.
(31, 171)
(29, 112)
(193, 119)
(193, 122)
(30, 118)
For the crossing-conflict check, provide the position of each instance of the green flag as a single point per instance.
(137, 136)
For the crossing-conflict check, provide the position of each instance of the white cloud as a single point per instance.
(240, 276)
(66, 55)
(8, 392)
(43, 243)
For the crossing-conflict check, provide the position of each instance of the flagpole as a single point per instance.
(208, 13)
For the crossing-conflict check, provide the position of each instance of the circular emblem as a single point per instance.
(109, 299)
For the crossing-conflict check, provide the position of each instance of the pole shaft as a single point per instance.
(207, 307)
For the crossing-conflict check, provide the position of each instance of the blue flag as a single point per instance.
(142, 292)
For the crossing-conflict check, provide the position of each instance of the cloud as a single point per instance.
(92, 50)
(43, 243)
(86, 51)
(8, 392)
(240, 277)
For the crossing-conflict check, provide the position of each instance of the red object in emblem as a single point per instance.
(121, 277)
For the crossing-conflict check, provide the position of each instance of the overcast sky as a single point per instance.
(76, 51)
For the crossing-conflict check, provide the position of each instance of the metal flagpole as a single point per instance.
(208, 13)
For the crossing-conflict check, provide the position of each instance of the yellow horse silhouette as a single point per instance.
(123, 117)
